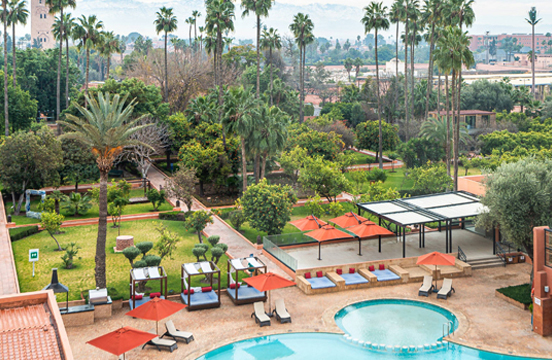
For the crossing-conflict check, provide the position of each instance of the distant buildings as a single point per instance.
(478, 41)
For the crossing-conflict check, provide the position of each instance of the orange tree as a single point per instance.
(368, 136)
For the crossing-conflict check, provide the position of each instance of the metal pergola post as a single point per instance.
(359, 248)
(319, 249)
(404, 242)
(494, 241)
(446, 237)
(379, 243)
(450, 237)
(420, 236)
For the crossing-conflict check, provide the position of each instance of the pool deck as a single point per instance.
(486, 322)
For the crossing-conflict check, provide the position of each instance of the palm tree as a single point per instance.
(357, 63)
(106, 127)
(415, 38)
(196, 14)
(5, 21)
(395, 16)
(375, 18)
(260, 8)
(202, 109)
(348, 65)
(532, 20)
(438, 129)
(270, 133)
(270, 39)
(220, 19)
(88, 34)
(68, 26)
(110, 45)
(302, 28)
(166, 22)
(432, 17)
(190, 21)
(17, 14)
(239, 108)
(404, 15)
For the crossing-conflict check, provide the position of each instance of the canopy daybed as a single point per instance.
(242, 293)
(138, 275)
(200, 297)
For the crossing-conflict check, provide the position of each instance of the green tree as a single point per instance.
(198, 221)
(533, 21)
(167, 242)
(22, 108)
(182, 185)
(348, 65)
(6, 102)
(271, 40)
(375, 18)
(379, 192)
(70, 252)
(78, 163)
(302, 28)
(314, 206)
(63, 30)
(292, 161)
(325, 144)
(51, 222)
(57, 196)
(433, 17)
(110, 45)
(490, 96)
(88, 33)
(418, 151)
(368, 137)
(324, 178)
(435, 129)
(166, 22)
(268, 207)
(106, 128)
(156, 197)
(430, 179)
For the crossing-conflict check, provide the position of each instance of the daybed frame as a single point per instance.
(134, 280)
(186, 278)
(261, 268)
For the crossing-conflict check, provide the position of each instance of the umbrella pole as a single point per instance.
(359, 248)
(319, 257)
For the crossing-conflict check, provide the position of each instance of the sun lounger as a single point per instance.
(259, 313)
(139, 274)
(162, 343)
(427, 286)
(205, 267)
(237, 264)
(176, 334)
(190, 269)
(281, 312)
(321, 283)
(446, 289)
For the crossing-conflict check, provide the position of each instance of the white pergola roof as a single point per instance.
(426, 208)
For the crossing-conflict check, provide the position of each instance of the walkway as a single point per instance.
(8, 276)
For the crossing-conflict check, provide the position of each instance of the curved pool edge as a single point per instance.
(491, 350)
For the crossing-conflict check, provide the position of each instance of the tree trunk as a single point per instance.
(189, 38)
(56, 206)
(87, 73)
(6, 113)
(447, 138)
(57, 242)
(258, 56)
(256, 165)
(533, 60)
(199, 237)
(67, 72)
(457, 133)
(219, 65)
(301, 84)
(100, 269)
(396, 65)
(58, 83)
(430, 70)
(412, 49)
(14, 60)
(201, 191)
(380, 137)
(107, 66)
(77, 186)
(454, 120)
(244, 164)
(263, 166)
(166, 72)
(407, 132)
(271, 77)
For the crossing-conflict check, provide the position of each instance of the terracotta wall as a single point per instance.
(542, 301)
(472, 184)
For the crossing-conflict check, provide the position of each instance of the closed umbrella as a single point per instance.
(327, 233)
(311, 222)
(347, 220)
(368, 229)
(120, 341)
(268, 282)
(438, 259)
(156, 309)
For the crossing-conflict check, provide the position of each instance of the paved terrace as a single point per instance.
(486, 321)
(8, 275)
(474, 246)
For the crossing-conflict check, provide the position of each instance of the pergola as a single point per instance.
(244, 294)
(200, 300)
(138, 275)
(421, 210)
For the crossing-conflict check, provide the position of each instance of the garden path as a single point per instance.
(8, 276)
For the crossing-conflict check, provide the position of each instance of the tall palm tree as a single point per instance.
(260, 8)
(106, 127)
(110, 45)
(88, 33)
(404, 15)
(532, 20)
(270, 133)
(432, 16)
(17, 14)
(415, 38)
(190, 21)
(5, 21)
(68, 26)
(395, 16)
(375, 18)
(219, 20)
(270, 39)
(166, 22)
(302, 28)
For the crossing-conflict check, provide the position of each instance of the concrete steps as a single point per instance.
(485, 263)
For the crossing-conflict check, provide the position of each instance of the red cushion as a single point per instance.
(233, 286)
(382, 267)
(137, 297)
(206, 289)
(371, 268)
(186, 291)
(156, 294)
(319, 274)
(351, 270)
(307, 275)
(339, 271)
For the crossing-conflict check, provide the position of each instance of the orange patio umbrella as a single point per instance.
(327, 233)
(436, 258)
(156, 309)
(369, 229)
(311, 222)
(268, 282)
(348, 220)
(121, 340)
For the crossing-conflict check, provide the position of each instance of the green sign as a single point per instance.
(33, 255)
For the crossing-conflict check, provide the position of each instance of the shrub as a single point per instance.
(174, 215)
(237, 218)
(199, 251)
(131, 253)
(198, 221)
(377, 175)
(430, 179)
(70, 251)
(152, 260)
(156, 197)
(140, 264)
(20, 233)
(521, 293)
(213, 240)
(144, 247)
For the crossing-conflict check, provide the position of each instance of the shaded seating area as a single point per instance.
(142, 275)
(201, 297)
(242, 293)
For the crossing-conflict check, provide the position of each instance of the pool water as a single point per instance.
(396, 322)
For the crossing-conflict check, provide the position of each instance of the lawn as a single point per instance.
(81, 277)
(395, 180)
(94, 211)
(521, 293)
(361, 159)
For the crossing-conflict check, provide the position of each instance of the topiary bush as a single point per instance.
(131, 253)
(213, 240)
(140, 264)
(20, 233)
(236, 218)
(144, 247)
(174, 215)
(152, 260)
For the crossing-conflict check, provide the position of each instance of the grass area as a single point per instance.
(395, 180)
(521, 293)
(94, 211)
(81, 277)
(361, 159)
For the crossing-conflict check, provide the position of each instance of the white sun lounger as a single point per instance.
(253, 262)
(260, 316)
(176, 334)
(205, 267)
(427, 286)
(139, 274)
(153, 272)
(281, 312)
(162, 343)
(446, 289)
(237, 264)
(190, 269)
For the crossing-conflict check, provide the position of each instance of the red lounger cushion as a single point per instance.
(156, 294)
(206, 289)
(233, 286)
(307, 275)
(137, 297)
(371, 268)
(339, 271)
(319, 274)
(186, 291)
(351, 270)
(382, 267)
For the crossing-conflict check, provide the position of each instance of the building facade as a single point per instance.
(41, 24)
(478, 41)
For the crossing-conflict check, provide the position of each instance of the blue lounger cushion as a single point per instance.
(201, 298)
(321, 283)
(142, 301)
(354, 279)
(385, 275)
(246, 293)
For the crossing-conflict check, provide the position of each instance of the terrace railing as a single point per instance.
(289, 239)
(500, 253)
(461, 255)
(273, 249)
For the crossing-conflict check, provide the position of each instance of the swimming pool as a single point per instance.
(396, 322)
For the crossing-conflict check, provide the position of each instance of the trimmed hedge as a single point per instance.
(174, 215)
(520, 293)
(22, 232)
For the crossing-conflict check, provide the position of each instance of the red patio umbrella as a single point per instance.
(436, 258)
(156, 309)
(311, 222)
(121, 340)
(327, 233)
(268, 282)
(369, 229)
(347, 220)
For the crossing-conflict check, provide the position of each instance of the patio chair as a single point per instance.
(446, 289)
(162, 343)
(260, 315)
(281, 312)
(427, 286)
(176, 334)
